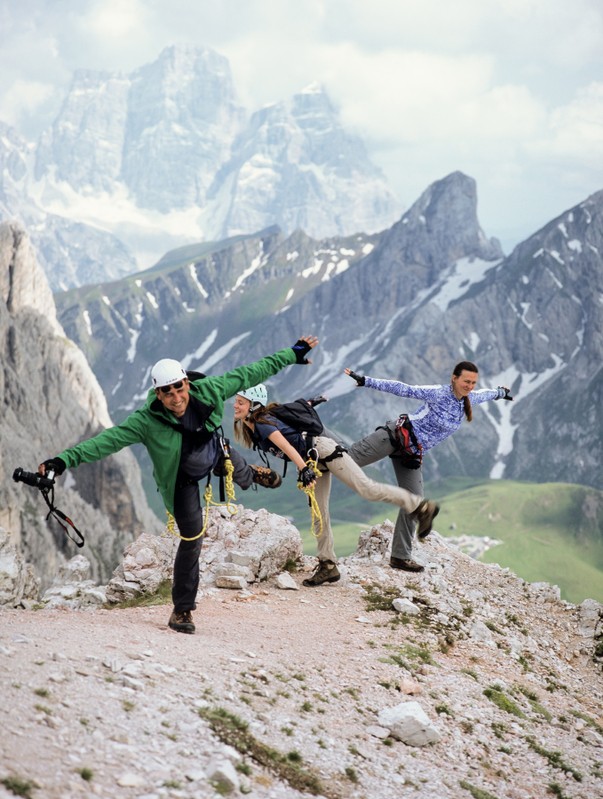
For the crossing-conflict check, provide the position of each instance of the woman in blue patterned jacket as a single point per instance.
(407, 438)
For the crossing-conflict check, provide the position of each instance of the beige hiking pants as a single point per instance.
(351, 474)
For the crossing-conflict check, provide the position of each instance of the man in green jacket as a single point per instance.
(178, 425)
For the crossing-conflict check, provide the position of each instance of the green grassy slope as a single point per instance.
(550, 532)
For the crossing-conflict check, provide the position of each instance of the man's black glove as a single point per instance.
(317, 400)
(306, 476)
(301, 349)
(506, 395)
(56, 465)
(360, 379)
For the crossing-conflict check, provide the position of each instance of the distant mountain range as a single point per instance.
(408, 302)
(405, 303)
(136, 164)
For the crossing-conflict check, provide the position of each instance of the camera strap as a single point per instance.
(60, 517)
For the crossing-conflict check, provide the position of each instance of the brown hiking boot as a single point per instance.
(326, 572)
(182, 622)
(425, 514)
(406, 564)
(264, 476)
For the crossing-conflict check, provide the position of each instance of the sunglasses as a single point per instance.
(168, 389)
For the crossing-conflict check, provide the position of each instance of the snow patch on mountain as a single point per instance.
(500, 413)
(194, 359)
(461, 276)
(193, 273)
(197, 355)
(256, 263)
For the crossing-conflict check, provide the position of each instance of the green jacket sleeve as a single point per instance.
(218, 389)
(111, 440)
(252, 374)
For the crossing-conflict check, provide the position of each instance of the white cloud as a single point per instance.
(508, 91)
(116, 19)
(23, 98)
(576, 129)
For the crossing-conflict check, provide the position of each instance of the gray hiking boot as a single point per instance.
(263, 476)
(425, 514)
(326, 572)
(182, 622)
(406, 564)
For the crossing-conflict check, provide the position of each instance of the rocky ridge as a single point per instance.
(463, 681)
(407, 303)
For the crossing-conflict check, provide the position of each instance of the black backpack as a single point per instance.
(301, 415)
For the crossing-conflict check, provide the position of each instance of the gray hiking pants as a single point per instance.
(346, 469)
(375, 447)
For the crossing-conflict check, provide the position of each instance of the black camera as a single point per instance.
(33, 478)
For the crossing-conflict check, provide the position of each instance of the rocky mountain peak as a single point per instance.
(445, 215)
(23, 284)
(172, 137)
(293, 165)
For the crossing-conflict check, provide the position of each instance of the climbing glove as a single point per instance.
(56, 465)
(301, 349)
(360, 379)
(307, 476)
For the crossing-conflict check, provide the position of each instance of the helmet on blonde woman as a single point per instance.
(257, 395)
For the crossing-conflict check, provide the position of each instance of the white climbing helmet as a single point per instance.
(256, 394)
(167, 371)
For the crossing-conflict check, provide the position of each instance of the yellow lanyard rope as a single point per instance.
(315, 515)
(208, 497)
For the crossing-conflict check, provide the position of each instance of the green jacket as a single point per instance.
(156, 428)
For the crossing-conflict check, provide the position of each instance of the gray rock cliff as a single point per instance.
(51, 399)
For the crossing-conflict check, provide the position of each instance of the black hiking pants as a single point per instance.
(188, 512)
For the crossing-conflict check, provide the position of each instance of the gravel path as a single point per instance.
(111, 703)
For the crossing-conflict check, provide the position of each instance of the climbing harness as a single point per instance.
(406, 447)
(227, 495)
(316, 525)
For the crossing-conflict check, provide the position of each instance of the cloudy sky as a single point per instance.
(507, 91)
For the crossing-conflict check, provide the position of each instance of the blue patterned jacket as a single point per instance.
(441, 413)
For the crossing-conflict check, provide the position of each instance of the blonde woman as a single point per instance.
(255, 426)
